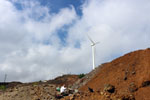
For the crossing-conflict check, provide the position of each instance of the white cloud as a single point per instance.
(22, 33)
(120, 26)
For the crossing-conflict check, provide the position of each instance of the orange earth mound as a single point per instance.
(129, 74)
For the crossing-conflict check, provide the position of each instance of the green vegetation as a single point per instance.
(40, 81)
(81, 75)
(35, 83)
(2, 87)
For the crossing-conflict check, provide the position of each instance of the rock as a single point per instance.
(133, 87)
(107, 96)
(72, 97)
(133, 72)
(128, 97)
(109, 88)
(146, 83)
(101, 93)
(125, 76)
(90, 89)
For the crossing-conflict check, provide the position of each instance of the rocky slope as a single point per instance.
(35, 90)
(125, 78)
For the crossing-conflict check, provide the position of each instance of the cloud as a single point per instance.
(116, 24)
(31, 50)
(23, 32)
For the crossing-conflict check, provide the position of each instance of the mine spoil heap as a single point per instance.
(125, 78)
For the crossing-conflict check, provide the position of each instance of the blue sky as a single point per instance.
(55, 6)
(47, 38)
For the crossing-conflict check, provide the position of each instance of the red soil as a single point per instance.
(127, 73)
(68, 80)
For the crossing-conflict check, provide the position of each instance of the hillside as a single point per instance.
(125, 78)
(35, 90)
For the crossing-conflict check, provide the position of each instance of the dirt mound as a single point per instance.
(128, 77)
(68, 80)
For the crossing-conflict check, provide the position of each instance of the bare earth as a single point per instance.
(125, 78)
(129, 75)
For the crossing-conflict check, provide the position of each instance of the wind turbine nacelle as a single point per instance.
(92, 44)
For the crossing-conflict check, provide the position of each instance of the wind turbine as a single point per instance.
(93, 50)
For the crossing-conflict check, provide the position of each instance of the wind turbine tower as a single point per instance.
(93, 50)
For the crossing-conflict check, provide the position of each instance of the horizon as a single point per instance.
(40, 40)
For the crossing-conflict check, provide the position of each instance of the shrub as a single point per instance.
(81, 75)
(35, 83)
(2, 87)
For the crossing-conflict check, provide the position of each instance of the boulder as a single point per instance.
(145, 83)
(109, 88)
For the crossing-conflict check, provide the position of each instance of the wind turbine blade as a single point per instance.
(90, 39)
(97, 42)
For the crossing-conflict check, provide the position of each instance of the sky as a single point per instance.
(43, 39)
